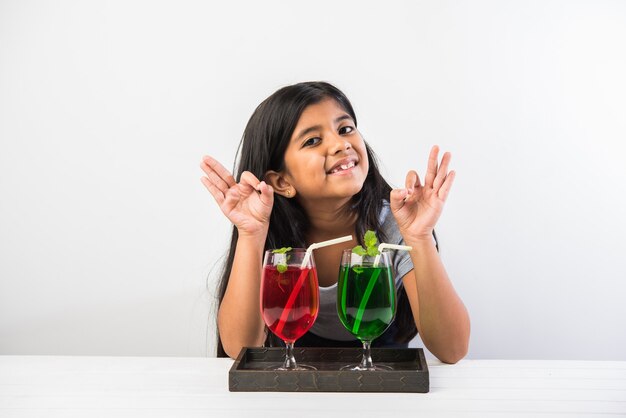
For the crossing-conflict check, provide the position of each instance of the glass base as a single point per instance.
(360, 368)
(298, 367)
(290, 361)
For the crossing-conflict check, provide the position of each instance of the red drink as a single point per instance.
(289, 301)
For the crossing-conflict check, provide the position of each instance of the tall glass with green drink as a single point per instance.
(366, 300)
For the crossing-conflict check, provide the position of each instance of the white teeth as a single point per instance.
(343, 167)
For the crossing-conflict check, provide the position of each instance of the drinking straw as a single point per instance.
(292, 298)
(305, 271)
(316, 245)
(372, 282)
(385, 246)
(364, 300)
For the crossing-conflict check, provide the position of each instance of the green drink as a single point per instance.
(366, 297)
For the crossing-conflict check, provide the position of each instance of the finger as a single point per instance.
(397, 198)
(267, 193)
(214, 165)
(431, 171)
(412, 180)
(446, 186)
(412, 184)
(217, 194)
(443, 171)
(214, 178)
(249, 179)
(231, 198)
(248, 183)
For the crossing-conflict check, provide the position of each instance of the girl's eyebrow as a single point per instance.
(310, 129)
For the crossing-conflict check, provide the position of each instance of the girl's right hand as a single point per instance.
(247, 204)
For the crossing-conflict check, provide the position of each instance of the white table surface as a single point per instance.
(39, 386)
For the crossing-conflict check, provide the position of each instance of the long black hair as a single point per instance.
(262, 148)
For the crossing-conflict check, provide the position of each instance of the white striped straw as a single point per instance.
(313, 246)
(385, 246)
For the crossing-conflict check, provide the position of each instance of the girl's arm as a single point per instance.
(239, 317)
(439, 313)
(248, 205)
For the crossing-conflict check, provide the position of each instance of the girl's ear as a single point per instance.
(280, 184)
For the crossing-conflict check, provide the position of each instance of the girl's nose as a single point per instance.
(339, 144)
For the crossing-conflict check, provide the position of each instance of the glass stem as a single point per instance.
(290, 360)
(366, 361)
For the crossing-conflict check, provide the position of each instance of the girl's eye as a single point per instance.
(311, 141)
(346, 130)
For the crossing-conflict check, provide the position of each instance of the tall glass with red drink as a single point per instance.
(289, 297)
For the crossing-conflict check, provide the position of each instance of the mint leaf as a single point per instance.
(359, 250)
(370, 239)
(371, 244)
(372, 251)
(357, 269)
(281, 262)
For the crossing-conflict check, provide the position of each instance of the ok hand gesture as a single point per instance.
(247, 204)
(418, 207)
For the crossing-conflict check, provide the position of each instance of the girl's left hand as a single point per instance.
(418, 207)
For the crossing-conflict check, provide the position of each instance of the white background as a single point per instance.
(110, 245)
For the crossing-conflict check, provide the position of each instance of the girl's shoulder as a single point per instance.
(388, 225)
(384, 212)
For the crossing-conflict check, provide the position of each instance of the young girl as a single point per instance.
(306, 175)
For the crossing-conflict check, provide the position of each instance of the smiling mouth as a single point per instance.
(342, 167)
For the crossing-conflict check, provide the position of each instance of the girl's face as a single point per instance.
(326, 157)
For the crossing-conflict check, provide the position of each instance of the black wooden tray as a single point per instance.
(249, 372)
